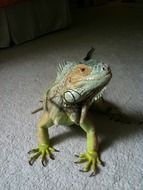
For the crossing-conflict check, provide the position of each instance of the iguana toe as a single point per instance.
(92, 161)
(44, 151)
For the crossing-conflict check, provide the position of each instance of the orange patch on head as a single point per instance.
(78, 74)
(82, 70)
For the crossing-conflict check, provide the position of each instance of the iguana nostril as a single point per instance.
(105, 67)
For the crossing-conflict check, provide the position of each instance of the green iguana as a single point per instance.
(78, 85)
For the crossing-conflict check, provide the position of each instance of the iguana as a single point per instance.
(78, 85)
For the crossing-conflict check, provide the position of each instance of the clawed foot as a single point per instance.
(43, 150)
(92, 160)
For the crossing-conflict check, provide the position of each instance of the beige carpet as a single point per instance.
(116, 31)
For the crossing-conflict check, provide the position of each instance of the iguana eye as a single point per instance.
(82, 69)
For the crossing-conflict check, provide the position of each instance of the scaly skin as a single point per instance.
(77, 87)
(91, 156)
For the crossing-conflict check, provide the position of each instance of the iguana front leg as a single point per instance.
(91, 155)
(44, 149)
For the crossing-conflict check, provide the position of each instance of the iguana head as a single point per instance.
(84, 80)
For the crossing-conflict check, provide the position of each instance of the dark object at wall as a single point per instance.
(129, 1)
(86, 3)
(4, 3)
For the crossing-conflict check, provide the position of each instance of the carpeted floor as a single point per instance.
(116, 31)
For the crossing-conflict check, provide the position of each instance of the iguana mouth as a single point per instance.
(93, 78)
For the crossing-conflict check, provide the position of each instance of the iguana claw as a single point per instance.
(43, 150)
(92, 160)
(93, 174)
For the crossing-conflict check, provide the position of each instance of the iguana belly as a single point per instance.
(60, 118)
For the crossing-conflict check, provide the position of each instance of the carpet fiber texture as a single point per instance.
(26, 71)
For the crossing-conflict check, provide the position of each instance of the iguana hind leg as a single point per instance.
(44, 149)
